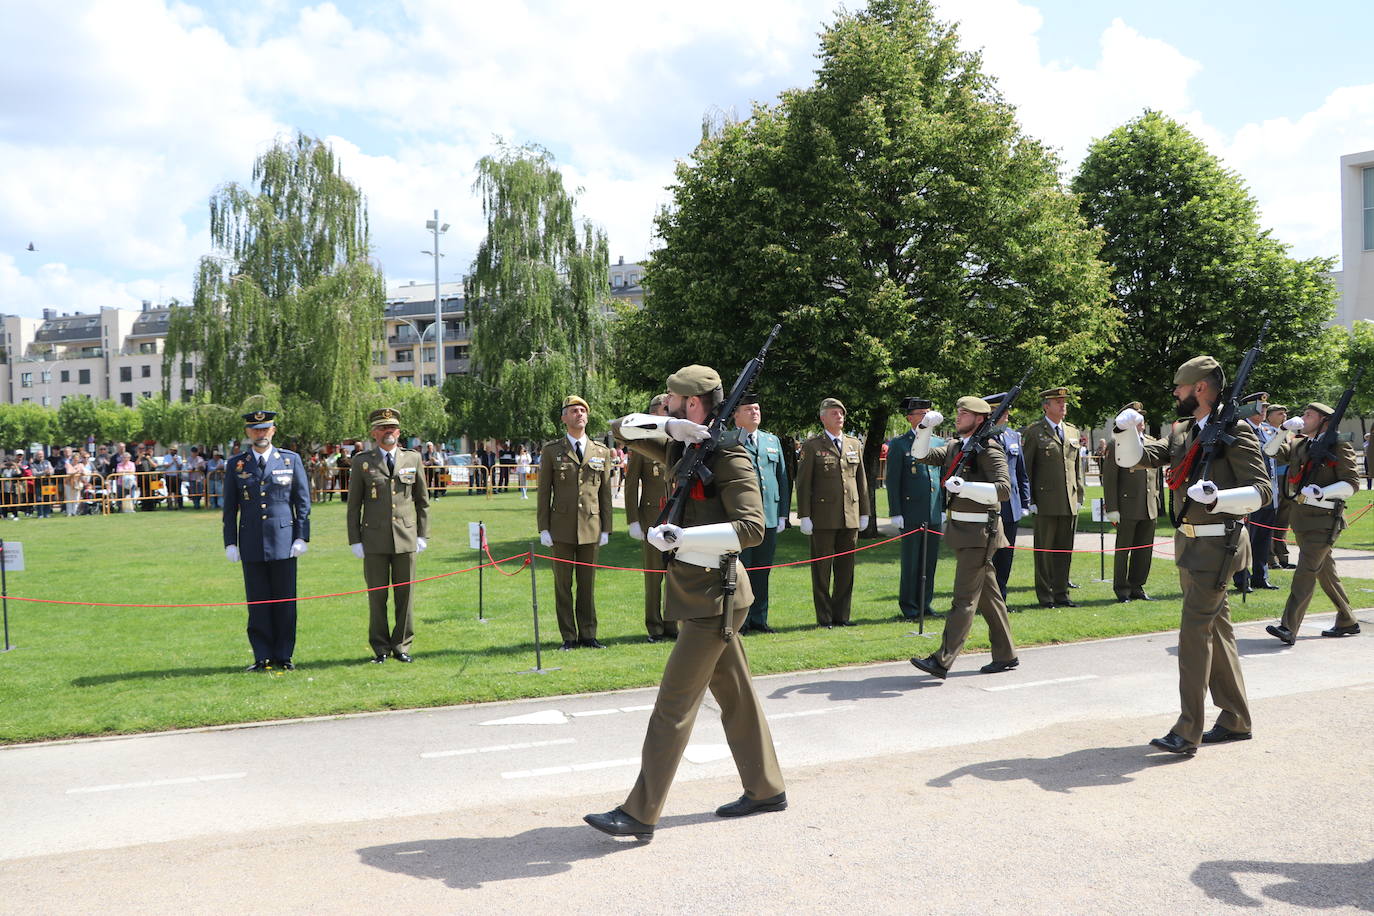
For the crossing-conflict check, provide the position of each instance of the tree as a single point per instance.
(1192, 272)
(897, 222)
(116, 423)
(294, 299)
(22, 425)
(78, 420)
(536, 294)
(424, 411)
(1359, 351)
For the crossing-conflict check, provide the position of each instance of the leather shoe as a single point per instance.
(825, 626)
(930, 666)
(1122, 599)
(1352, 630)
(1289, 566)
(618, 823)
(746, 805)
(569, 645)
(1282, 633)
(848, 623)
(284, 664)
(1073, 585)
(592, 644)
(1219, 733)
(1141, 596)
(1266, 584)
(657, 638)
(935, 615)
(261, 664)
(1048, 604)
(762, 628)
(377, 659)
(1066, 603)
(996, 667)
(1174, 745)
(402, 657)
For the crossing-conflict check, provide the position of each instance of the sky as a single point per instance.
(120, 118)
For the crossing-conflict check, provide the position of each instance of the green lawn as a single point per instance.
(93, 671)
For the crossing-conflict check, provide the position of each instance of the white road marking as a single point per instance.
(646, 708)
(1057, 680)
(575, 768)
(543, 717)
(492, 749)
(148, 783)
(808, 712)
(596, 712)
(706, 753)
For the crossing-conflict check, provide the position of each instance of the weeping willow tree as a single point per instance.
(536, 293)
(291, 299)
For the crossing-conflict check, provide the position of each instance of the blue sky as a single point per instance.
(118, 118)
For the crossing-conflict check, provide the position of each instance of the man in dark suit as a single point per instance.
(266, 527)
(913, 503)
(1014, 508)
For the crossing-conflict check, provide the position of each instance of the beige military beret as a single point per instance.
(833, 402)
(1060, 392)
(973, 405)
(1320, 408)
(1273, 407)
(1195, 370)
(694, 380)
(1134, 405)
(573, 400)
(658, 401)
(386, 416)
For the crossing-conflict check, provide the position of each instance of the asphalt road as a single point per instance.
(1031, 791)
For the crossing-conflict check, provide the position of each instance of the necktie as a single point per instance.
(1059, 433)
(835, 440)
(577, 446)
(262, 463)
(749, 440)
(390, 464)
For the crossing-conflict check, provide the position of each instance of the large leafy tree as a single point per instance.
(1193, 272)
(897, 222)
(536, 294)
(292, 298)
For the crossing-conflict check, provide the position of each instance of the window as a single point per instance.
(147, 394)
(405, 356)
(429, 379)
(458, 352)
(428, 355)
(47, 401)
(187, 371)
(126, 373)
(148, 346)
(406, 379)
(617, 280)
(45, 376)
(83, 377)
(1368, 176)
(127, 399)
(147, 372)
(66, 375)
(26, 380)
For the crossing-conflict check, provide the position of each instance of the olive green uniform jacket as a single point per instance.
(387, 512)
(832, 488)
(574, 498)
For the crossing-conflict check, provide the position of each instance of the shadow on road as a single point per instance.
(1094, 766)
(1318, 885)
(470, 862)
(873, 688)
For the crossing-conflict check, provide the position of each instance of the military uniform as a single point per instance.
(266, 512)
(770, 468)
(388, 514)
(1316, 523)
(1207, 657)
(974, 533)
(1134, 495)
(574, 506)
(1056, 481)
(646, 491)
(913, 492)
(832, 491)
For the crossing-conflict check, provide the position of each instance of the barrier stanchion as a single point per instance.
(481, 573)
(921, 571)
(534, 603)
(5, 593)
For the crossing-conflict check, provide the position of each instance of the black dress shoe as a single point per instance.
(1174, 745)
(1122, 599)
(1243, 590)
(824, 626)
(1141, 596)
(592, 644)
(1066, 603)
(1289, 566)
(569, 645)
(930, 666)
(1282, 633)
(1352, 630)
(1073, 585)
(284, 664)
(762, 628)
(671, 637)
(261, 664)
(402, 657)
(746, 805)
(1220, 733)
(657, 638)
(377, 659)
(1266, 584)
(745, 630)
(935, 615)
(618, 823)
(848, 623)
(996, 667)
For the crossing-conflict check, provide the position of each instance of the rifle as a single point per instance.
(989, 428)
(1319, 452)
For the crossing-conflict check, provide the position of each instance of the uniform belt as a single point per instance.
(707, 561)
(979, 517)
(1190, 530)
(1318, 503)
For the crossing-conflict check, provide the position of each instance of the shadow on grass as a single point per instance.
(1307, 885)
(1086, 768)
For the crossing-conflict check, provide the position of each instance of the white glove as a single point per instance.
(863, 522)
(1312, 491)
(605, 538)
(636, 531)
(932, 419)
(545, 538)
(1025, 510)
(1129, 418)
(421, 545)
(806, 527)
(1114, 517)
(897, 521)
(782, 523)
(1204, 492)
(685, 431)
(298, 547)
(357, 550)
(665, 537)
(954, 484)
(231, 553)
(1293, 424)
(1030, 510)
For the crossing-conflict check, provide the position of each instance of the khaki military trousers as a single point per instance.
(379, 571)
(1131, 568)
(1315, 565)
(1280, 542)
(701, 659)
(832, 598)
(575, 622)
(653, 594)
(1053, 533)
(1207, 659)
(975, 589)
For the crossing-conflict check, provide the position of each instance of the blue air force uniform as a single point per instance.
(914, 493)
(765, 451)
(266, 508)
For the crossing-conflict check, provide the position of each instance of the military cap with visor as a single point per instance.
(910, 404)
(384, 416)
(260, 419)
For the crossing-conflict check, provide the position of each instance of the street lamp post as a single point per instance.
(419, 349)
(437, 227)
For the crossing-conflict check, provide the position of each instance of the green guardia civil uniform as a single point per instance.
(832, 491)
(914, 493)
(1135, 494)
(770, 468)
(701, 658)
(646, 491)
(388, 509)
(1056, 482)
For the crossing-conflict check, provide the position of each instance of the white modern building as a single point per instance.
(1356, 277)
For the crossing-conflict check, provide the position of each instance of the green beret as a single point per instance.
(1273, 407)
(833, 402)
(974, 405)
(658, 401)
(1060, 392)
(1195, 370)
(1320, 408)
(694, 381)
(573, 400)
(385, 416)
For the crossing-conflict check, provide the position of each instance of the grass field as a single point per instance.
(94, 671)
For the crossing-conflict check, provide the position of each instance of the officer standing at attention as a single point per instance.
(1212, 518)
(388, 524)
(1014, 508)
(726, 519)
(974, 532)
(913, 501)
(765, 451)
(832, 493)
(1131, 498)
(646, 491)
(1318, 518)
(1056, 479)
(575, 519)
(266, 527)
